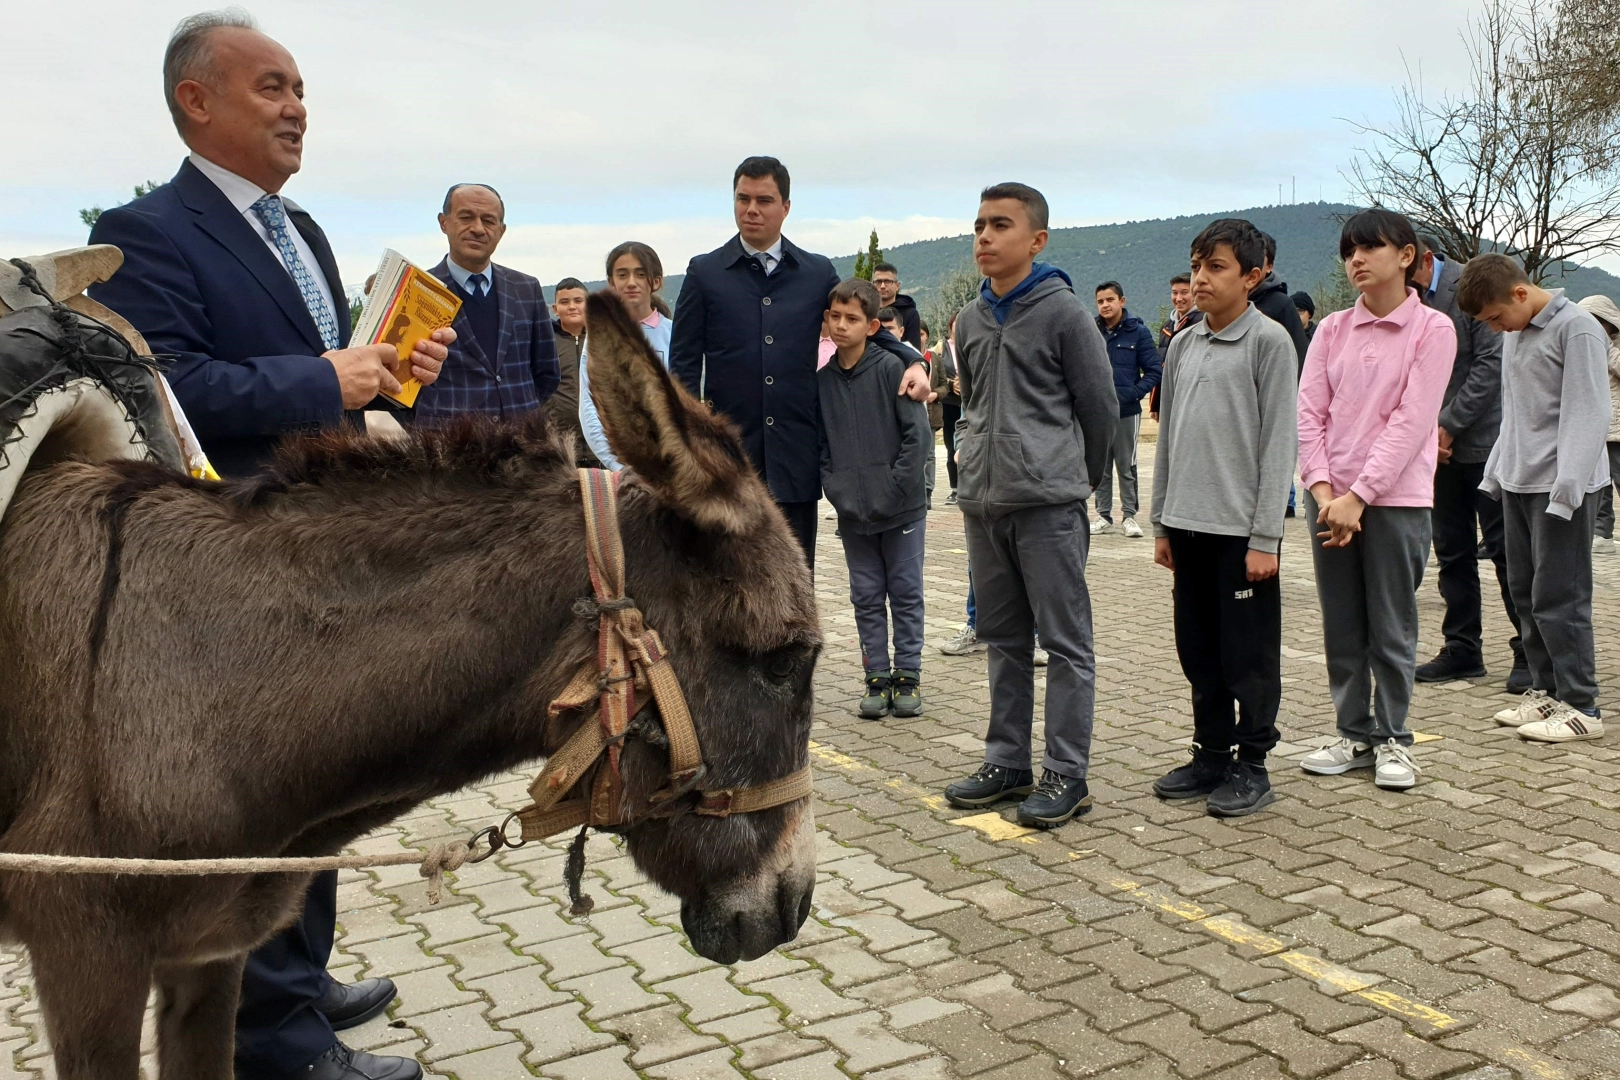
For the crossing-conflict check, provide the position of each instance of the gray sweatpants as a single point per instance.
(1121, 459)
(1368, 593)
(1029, 567)
(886, 574)
(1549, 570)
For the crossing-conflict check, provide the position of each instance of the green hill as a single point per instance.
(1142, 256)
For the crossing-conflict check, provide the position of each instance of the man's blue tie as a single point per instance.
(475, 285)
(274, 216)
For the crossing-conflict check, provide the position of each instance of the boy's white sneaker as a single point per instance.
(1566, 724)
(1603, 545)
(1132, 529)
(1394, 767)
(1340, 757)
(1534, 706)
(1100, 526)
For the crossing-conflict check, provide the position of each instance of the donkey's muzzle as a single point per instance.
(747, 918)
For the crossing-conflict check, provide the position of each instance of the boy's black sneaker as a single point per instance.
(1245, 789)
(1449, 664)
(1518, 680)
(906, 698)
(1200, 776)
(875, 705)
(990, 784)
(1056, 799)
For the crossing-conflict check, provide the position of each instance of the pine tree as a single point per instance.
(90, 214)
(866, 260)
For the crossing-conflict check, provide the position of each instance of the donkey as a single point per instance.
(276, 666)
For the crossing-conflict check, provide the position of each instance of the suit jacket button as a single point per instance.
(769, 340)
(770, 420)
(766, 301)
(769, 380)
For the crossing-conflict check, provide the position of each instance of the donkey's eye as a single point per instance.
(781, 668)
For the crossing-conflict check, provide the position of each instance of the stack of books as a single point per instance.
(405, 305)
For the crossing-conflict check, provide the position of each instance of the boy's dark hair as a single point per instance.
(1119, 290)
(1181, 279)
(888, 314)
(646, 256)
(1034, 202)
(1270, 243)
(1488, 279)
(889, 267)
(860, 291)
(569, 283)
(758, 168)
(1247, 242)
(1376, 227)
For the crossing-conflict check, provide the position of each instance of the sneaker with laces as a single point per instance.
(1535, 706)
(1566, 724)
(1132, 529)
(966, 641)
(1101, 525)
(950, 500)
(1056, 799)
(1394, 768)
(990, 784)
(1245, 788)
(1340, 757)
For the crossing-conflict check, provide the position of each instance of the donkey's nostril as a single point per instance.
(804, 908)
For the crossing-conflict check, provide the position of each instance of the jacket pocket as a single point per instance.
(843, 490)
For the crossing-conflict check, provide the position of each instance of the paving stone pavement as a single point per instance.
(1467, 928)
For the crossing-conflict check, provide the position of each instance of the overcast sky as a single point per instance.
(606, 122)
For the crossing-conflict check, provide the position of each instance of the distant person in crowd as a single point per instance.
(504, 361)
(237, 285)
(635, 275)
(1183, 313)
(1038, 415)
(568, 331)
(1604, 310)
(1271, 297)
(1223, 466)
(1369, 403)
(887, 280)
(889, 338)
(1136, 374)
(1306, 307)
(949, 401)
(747, 330)
(1547, 468)
(873, 443)
(825, 348)
(1470, 415)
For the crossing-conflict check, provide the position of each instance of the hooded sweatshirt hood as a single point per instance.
(1608, 315)
(1605, 310)
(1001, 305)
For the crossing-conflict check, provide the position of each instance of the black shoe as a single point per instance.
(347, 1005)
(990, 784)
(1057, 799)
(875, 705)
(1449, 664)
(1482, 553)
(1200, 776)
(341, 1063)
(1518, 680)
(1245, 789)
(906, 698)
(950, 500)
(1288, 513)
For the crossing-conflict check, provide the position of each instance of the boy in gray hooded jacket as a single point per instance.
(1038, 411)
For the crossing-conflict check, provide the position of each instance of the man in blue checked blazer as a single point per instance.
(504, 361)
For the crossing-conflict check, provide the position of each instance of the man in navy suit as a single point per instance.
(747, 330)
(239, 286)
(504, 361)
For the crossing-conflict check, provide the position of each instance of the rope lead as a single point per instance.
(574, 871)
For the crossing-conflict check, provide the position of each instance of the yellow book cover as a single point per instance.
(420, 305)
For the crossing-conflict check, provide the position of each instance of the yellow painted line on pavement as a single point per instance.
(1534, 1064)
(996, 827)
(832, 757)
(1423, 736)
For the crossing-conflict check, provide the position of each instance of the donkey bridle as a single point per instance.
(630, 658)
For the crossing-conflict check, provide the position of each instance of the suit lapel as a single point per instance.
(220, 220)
(466, 340)
(316, 239)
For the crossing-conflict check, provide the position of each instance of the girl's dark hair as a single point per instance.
(646, 256)
(1376, 227)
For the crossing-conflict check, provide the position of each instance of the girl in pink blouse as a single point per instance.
(1369, 406)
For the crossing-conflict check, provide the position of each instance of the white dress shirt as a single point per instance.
(770, 258)
(242, 194)
(460, 275)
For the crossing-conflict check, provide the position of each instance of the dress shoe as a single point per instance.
(347, 1005)
(341, 1063)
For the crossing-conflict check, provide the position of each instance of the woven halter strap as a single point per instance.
(581, 784)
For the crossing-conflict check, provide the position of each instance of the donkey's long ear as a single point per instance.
(692, 459)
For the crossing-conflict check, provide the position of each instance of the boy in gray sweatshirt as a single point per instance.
(1038, 411)
(873, 443)
(1547, 466)
(1223, 471)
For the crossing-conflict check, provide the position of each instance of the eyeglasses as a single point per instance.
(885, 281)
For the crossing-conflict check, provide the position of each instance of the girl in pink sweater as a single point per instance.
(1369, 406)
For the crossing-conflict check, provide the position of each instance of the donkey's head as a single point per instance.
(714, 569)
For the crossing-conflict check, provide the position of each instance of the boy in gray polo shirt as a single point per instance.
(1225, 464)
(1546, 468)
